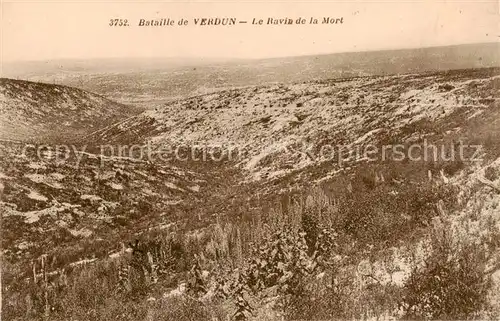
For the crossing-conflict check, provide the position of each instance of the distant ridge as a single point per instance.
(489, 52)
(150, 82)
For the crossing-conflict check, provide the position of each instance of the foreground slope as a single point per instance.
(49, 205)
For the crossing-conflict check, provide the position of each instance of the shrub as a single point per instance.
(451, 283)
(491, 173)
(311, 230)
(445, 87)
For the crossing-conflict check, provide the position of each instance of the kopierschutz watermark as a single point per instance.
(337, 154)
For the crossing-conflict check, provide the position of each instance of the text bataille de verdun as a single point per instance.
(234, 21)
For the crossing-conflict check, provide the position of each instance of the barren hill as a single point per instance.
(38, 111)
(278, 130)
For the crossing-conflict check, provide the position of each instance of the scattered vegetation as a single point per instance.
(128, 240)
(316, 258)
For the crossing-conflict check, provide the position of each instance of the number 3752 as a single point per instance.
(118, 22)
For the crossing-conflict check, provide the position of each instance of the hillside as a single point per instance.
(38, 111)
(277, 130)
(242, 208)
(52, 204)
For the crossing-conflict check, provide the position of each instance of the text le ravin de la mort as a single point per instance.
(231, 21)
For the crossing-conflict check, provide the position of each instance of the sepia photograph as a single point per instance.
(249, 160)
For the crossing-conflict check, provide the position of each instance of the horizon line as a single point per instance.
(5, 62)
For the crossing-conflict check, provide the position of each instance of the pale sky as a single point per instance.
(36, 30)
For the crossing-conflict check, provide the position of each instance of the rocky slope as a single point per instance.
(276, 131)
(49, 205)
(38, 111)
